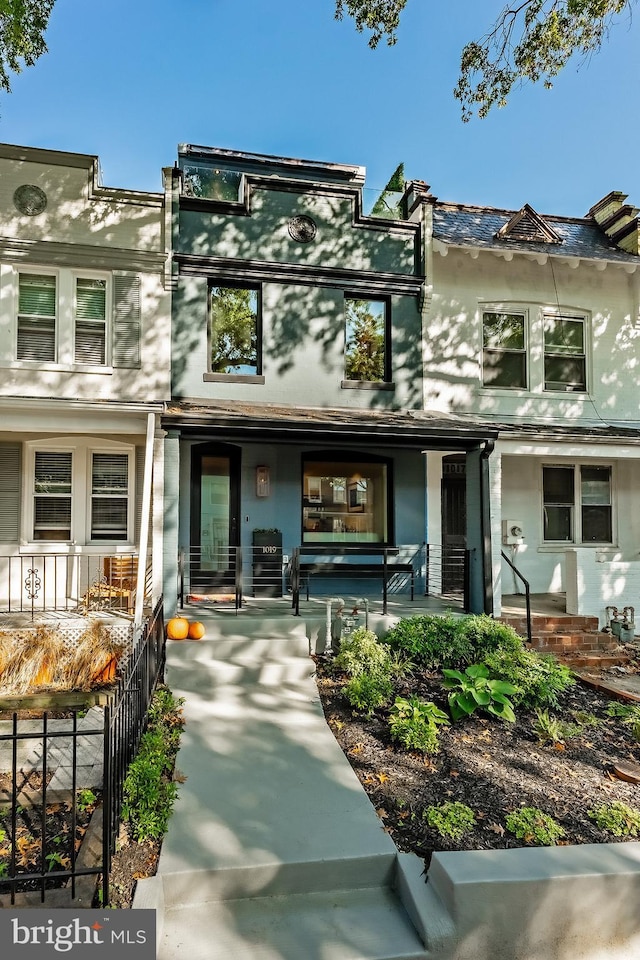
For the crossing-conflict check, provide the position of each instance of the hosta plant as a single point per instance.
(474, 689)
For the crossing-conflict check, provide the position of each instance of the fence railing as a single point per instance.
(71, 582)
(447, 570)
(52, 762)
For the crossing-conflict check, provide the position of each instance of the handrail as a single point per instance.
(527, 593)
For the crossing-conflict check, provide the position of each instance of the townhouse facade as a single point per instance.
(84, 374)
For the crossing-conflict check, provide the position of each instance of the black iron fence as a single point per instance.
(72, 582)
(61, 779)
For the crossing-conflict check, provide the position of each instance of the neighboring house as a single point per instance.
(297, 376)
(534, 326)
(84, 371)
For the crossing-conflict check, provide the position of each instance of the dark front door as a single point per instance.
(454, 523)
(215, 503)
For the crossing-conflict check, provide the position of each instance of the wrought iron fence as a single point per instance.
(62, 582)
(48, 763)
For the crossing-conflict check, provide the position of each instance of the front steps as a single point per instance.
(564, 636)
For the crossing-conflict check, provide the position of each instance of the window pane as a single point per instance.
(365, 339)
(52, 501)
(344, 502)
(211, 184)
(596, 524)
(563, 336)
(557, 484)
(90, 299)
(595, 485)
(234, 330)
(564, 373)
(36, 339)
(505, 330)
(502, 369)
(109, 501)
(37, 295)
(559, 496)
(558, 523)
(90, 342)
(53, 472)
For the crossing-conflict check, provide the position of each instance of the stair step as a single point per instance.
(359, 924)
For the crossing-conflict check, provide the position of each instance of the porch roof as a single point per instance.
(293, 424)
(600, 432)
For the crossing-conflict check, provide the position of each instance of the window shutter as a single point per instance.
(139, 488)
(126, 320)
(10, 487)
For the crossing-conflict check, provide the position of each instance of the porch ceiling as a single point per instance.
(288, 424)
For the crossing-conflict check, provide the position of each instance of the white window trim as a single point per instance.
(82, 450)
(577, 541)
(65, 324)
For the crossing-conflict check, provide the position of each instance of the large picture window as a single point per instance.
(234, 317)
(504, 356)
(366, 348)
(345, 502)
(577, 504)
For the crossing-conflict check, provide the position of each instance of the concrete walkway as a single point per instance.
(274, 851)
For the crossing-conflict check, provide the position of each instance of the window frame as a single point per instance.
(525, 351)
(29, 270)
(337, 457)
(574, 317)
(107, 323)
(385, 300)
(578, 505)
(234, 377)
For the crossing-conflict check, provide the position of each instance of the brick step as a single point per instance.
(552, 624)
(579, 642)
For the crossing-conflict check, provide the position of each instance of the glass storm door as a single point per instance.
(214, 517)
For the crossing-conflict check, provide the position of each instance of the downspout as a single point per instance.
(145, 512)
(485, 526)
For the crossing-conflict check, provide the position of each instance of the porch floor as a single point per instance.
(542, 604)
(260, 608)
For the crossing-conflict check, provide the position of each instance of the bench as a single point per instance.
(376, 564)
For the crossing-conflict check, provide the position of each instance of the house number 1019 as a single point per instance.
(271, 549)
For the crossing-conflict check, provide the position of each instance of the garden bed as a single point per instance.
(560, 761)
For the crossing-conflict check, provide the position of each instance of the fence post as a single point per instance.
(107, 800)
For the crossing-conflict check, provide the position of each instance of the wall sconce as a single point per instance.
(263, 481)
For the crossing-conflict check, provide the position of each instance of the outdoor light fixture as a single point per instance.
(263, 482)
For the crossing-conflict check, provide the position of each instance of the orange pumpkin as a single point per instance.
(196, 630)
(178, 628)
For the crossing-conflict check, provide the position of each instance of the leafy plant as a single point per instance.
(534, 827)
(85, 799)
(629, 713)
(431, 641)
(56, 859)
(361, 652)
(475, 689)
(149, 793)
(4, 869)
(414, 723)
(538, 678)
(618, 818)
(451, 819)
(367, 691)
(552, 728)
(486, 635)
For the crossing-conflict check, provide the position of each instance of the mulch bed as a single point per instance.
(492, 766)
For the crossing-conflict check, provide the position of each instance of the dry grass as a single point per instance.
(35, 660)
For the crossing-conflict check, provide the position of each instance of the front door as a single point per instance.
(215, 501)
(454, 523)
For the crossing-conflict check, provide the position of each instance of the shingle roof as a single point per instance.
(462, 225)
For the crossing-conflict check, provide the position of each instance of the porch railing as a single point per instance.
(44, 759)
(81, 583)
(527, 593)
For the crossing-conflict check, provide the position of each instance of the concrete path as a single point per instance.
(274, 851)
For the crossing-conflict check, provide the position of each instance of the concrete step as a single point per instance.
(356, 924)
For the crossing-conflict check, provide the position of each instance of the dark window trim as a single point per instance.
(380, 298)
(351, 456)
(367, 385)
(210, 375)
(524, 351)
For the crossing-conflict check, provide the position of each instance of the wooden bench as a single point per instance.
(313, 563)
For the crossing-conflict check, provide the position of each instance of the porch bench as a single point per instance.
(312, 563)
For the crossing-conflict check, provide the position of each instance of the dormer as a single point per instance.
(529, 226)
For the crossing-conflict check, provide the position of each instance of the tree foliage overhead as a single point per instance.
(531, 40)
(22, 27)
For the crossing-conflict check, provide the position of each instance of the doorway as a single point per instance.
(215, 504)
(454, 523)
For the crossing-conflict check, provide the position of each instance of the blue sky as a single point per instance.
(130, 79)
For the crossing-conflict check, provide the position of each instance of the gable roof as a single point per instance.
(527, 225)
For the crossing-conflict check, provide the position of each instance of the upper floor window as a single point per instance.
(564, 354)
(235, 335)
(577, 504)
(366, 340)
(504, 355)
(91, 321)
(36, 317)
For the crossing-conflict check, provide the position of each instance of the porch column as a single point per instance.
(171, 504)
(479, 529)
(495, 499)
(157, 530)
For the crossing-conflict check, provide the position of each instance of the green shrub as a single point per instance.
(485, 635)
(431, 641)
(473, 690)
(414, 723)
(368, 691)
(629, 713)
(538, 678)
(362, 652)
(451, 819)
(618, 818)
(534, 827)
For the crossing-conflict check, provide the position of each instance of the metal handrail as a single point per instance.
(527, 594)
